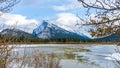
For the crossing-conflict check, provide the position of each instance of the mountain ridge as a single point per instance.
(48, 30)
(15, 32)
(109, 38)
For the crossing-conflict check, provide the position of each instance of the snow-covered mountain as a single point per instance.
(79, 29)
(49, 30)
(15, 32)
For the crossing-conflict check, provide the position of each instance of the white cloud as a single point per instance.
(68, 21)
(74, 4)
(18, 21)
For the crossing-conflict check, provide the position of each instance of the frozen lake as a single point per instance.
(77, 55)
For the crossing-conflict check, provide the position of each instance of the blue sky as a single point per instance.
(42, 9)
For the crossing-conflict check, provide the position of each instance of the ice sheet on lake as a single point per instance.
(114, 56)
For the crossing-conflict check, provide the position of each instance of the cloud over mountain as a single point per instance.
(17, 21)
(69, 21)
(66, 21)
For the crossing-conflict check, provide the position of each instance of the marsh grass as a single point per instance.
(6, 54)
(36, 60)
(12, 59)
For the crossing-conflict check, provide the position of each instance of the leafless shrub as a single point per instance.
(40, 60)
(6, 54)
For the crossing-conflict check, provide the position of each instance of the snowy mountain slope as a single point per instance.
(15, 32)
(49, 30)
(75, 27)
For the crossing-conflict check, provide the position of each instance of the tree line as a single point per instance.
(23, 38)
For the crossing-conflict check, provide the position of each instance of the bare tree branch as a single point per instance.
(6, 5)
(106, 19)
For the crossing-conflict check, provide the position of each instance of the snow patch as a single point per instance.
(114, 56)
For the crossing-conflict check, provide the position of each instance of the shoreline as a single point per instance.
(118, 43)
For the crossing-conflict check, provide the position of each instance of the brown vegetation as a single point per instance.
(106, 16)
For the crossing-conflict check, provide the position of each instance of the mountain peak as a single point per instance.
(44, 23)
(40, 30)
(49, 30)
